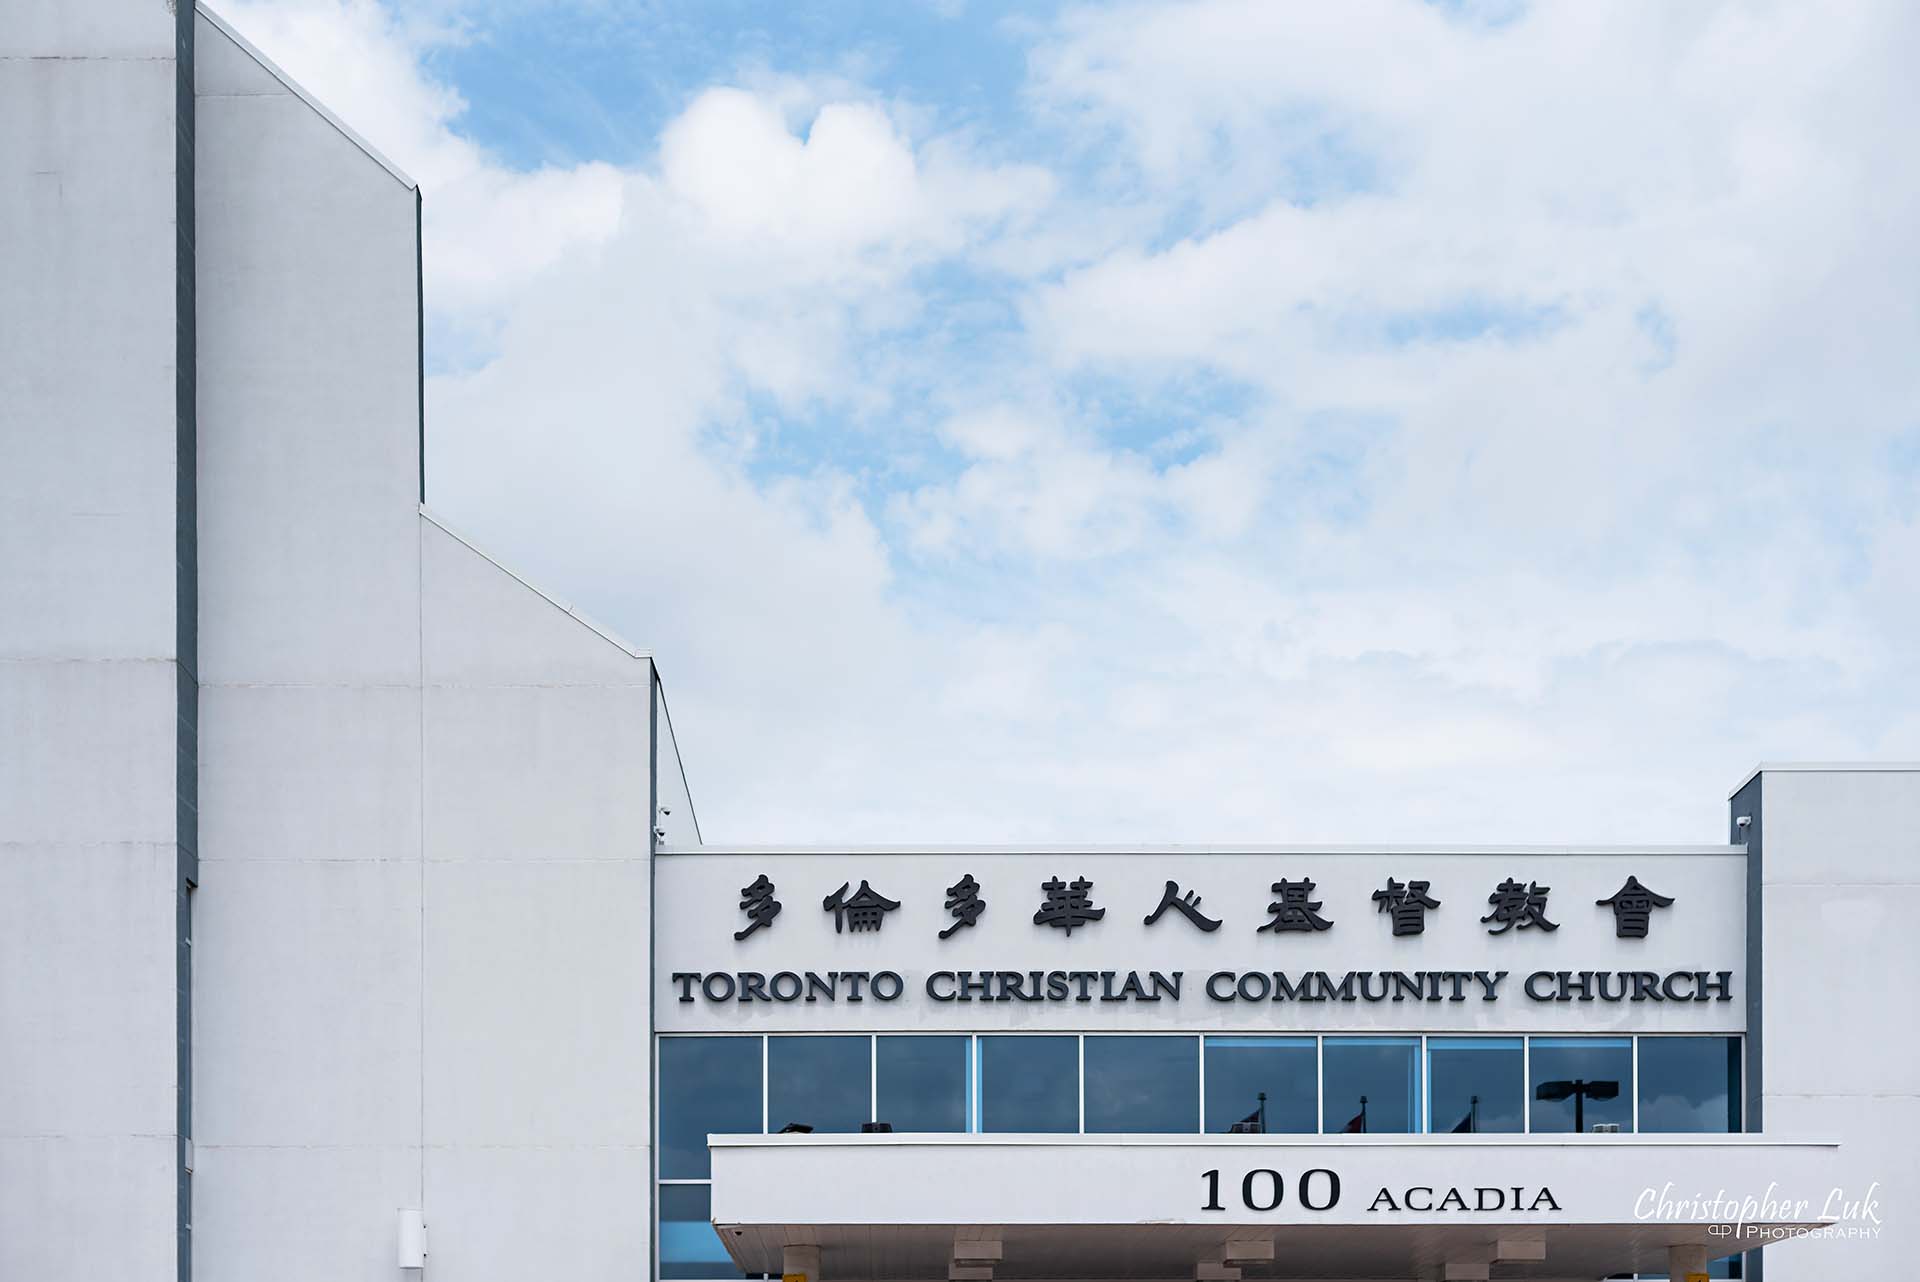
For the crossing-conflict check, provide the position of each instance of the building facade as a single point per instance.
(361, 926)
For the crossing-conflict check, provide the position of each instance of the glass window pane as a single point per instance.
(1581, 1084)
(1143, 1085)
(821, 1082)
(1373, 1085)
(689, 1248)
(1269, 1083)
(923, 1083)
(1690, 1084)
(708, 1086)
(1473, 1084)
(1030, 1084)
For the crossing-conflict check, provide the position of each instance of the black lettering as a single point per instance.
(1165, 986)
(1212, 979)
(686, 980)
(1246, 1190)
(854, 979)
(1084, 978)
(1343, 991)
(1286, 991)
(1306, 1190)
(1366, 978)
(1645, 984)
(969, 985)
(1453, 1201)
(726, 990)
(1667, 990)
(818, 987)
(1489, 983)
(1213, 1191)
(1600, 978)
(1721, 986)
(1546, 1195)
(1480, 1199)
(1012, 986)
(1426, 1203)
(1254, 986)
(1056, 985)
(1540, 974)
(753, 986)
(935, 993)
(793, 990)
(1405, 986)
(1384, 1196)
(892, 980)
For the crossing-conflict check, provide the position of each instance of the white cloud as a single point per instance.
(1570, 466)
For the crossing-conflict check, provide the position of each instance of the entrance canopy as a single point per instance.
(974, 1208)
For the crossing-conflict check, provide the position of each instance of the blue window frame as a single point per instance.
(689, 1248)
(1372, 1085)
(1475, 1085)
(823, 1083)
(1030, 1084)
(1690, 1084)
(1266, 1084)
(921, 1083)
(1580, 1084)
(1142, 1085)
(708, 1085)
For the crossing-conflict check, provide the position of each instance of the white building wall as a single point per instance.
(424, 903)
(1838, 860)
(90, 670)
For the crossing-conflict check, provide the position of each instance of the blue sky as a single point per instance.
(1208, 421)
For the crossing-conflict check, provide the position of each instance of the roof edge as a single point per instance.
(610, 637)
(1823, 767)
(1199, 848)
(273, 68)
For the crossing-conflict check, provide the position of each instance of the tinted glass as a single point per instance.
(1473, 1084)
(1148, 1085)
(1581, 1083)
(1029, 1084)
(923, 1083)
(822, 1082)
(708, 1086)
(689, 1248)
(1690, 1084)
(1271, 1083)
(1372, 1084)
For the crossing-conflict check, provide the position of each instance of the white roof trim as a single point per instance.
(1625, 852)
(304, 96)
(1826, 767)
(610, 638)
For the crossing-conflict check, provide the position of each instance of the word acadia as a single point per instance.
(1220, 986)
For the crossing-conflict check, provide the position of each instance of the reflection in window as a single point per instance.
(1690, 1084)
(823, 1083)
(1030, 1084)
(708, 1085)
(1263, 1084)
(1581, 1084)
(922, 1083)
(1144, 1085)
(1473, 1085)
(689, 1248)
(1372, 1085)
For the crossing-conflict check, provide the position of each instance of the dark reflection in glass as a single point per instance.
(689, 1248)
(708, 1086)
(922, 1083)
(1581, 1083)
(1263, 1084)
(1029, 1084)
(1372, 1085)
(820, 1082)
(1474, 1084)
(1690, 1084)
(1145, 1085)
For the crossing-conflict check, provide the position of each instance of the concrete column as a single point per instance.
(1682, 1260)
(801, 1260)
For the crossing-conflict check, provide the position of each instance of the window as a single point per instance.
(1269, 1084)
(1030, 1084)
(922, 1083)
(822, 1083)
(708, 1085)
(1142, 1085)
(689, 1248)
(1372, 1085)
(1581, 1084)
(1690, 1084)
(1474, 1085)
